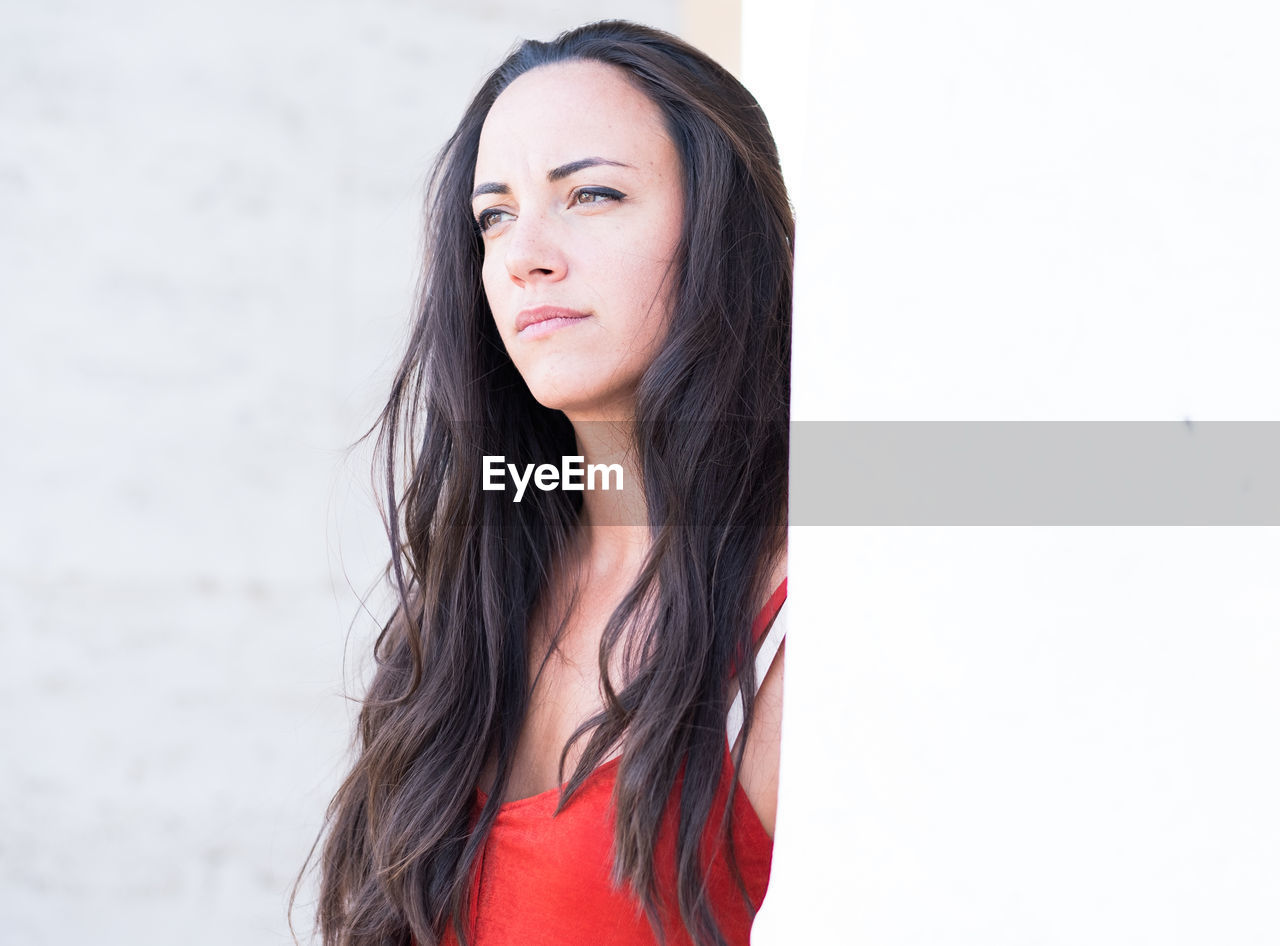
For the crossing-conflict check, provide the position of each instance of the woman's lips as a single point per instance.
(530, 323)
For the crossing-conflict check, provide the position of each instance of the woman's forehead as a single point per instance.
(564, 112)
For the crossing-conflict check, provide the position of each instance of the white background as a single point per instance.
(1034, 212)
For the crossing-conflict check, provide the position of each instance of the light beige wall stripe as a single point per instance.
(715, 27)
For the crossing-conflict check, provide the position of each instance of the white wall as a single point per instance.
(209, 220)
(1029, 735)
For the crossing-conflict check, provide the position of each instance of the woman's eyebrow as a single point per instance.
(555, 174)
(573, 167)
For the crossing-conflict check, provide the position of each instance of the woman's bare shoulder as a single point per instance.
(758, 773)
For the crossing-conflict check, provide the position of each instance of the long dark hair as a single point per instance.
(452, 682)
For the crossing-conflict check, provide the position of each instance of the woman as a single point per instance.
(608, 276)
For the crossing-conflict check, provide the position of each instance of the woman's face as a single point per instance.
(579, 198)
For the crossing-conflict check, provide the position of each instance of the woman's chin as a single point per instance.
(585, 405)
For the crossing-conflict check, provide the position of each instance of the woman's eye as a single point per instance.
(596, 195)
(487, 218)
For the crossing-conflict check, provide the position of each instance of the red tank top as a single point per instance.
(545, 881)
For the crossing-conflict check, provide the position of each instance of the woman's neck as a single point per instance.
(616, 519)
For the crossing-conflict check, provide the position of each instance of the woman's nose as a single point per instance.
(534, 252)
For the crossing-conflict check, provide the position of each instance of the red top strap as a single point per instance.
(769, 612)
